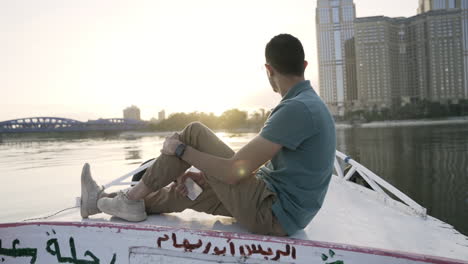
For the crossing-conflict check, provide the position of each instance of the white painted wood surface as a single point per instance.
(81, 243)
(357, 224)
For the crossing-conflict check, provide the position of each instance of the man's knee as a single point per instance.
(191, 130)
(196, 126)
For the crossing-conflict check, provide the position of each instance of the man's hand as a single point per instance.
(170, 144)
(197, 177)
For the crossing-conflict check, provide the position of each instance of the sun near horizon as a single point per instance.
(87, 59)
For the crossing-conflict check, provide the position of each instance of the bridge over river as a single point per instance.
(57, 124)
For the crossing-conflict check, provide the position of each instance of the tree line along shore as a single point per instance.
(409, 115)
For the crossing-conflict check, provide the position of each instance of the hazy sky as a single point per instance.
(86, 59)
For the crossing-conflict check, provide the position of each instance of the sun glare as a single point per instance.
(91, 59)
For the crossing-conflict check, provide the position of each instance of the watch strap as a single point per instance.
(179, 151)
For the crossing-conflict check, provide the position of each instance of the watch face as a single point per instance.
(180, 150)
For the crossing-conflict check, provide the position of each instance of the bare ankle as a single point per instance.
(131, 195)
(138, 192)
(107, 195)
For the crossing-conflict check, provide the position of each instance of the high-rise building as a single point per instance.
(131, 112)
(336, 58)
(381, 62)
(430, 5)
(400, 60)
(161, 115)
(462, 5)
(446, 68)
(381, 59)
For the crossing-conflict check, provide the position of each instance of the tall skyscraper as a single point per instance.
(381, 58)
(430, 5)
(446, 68)
(462, 5)
(381, 62)
(464, 17)
(336, 53)
(400, 60)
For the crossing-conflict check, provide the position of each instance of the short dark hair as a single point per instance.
(286, 54)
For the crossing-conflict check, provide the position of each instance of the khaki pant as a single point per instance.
(249, 201)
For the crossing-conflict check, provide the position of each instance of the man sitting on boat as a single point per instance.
(274, 185)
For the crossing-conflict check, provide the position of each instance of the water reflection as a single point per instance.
(430, 164)
(132, 153)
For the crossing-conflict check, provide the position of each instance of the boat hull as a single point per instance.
(95, 242)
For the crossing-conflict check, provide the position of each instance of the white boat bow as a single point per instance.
(355, 225)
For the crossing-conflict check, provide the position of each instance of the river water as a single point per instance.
(40, 174)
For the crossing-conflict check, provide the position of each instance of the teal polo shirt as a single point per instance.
(301, 171)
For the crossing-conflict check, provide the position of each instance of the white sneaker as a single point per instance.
(90, 192)
(122, 207)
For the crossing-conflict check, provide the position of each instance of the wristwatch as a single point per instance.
(179, 151)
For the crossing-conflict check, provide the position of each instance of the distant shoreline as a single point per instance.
(133, 134)
(406, 123)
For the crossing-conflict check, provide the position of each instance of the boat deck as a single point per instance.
(351, 215)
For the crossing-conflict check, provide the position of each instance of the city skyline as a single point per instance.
(404, 60)
(91, 60)
(379, 63)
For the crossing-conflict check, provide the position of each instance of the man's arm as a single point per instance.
(243, 164)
